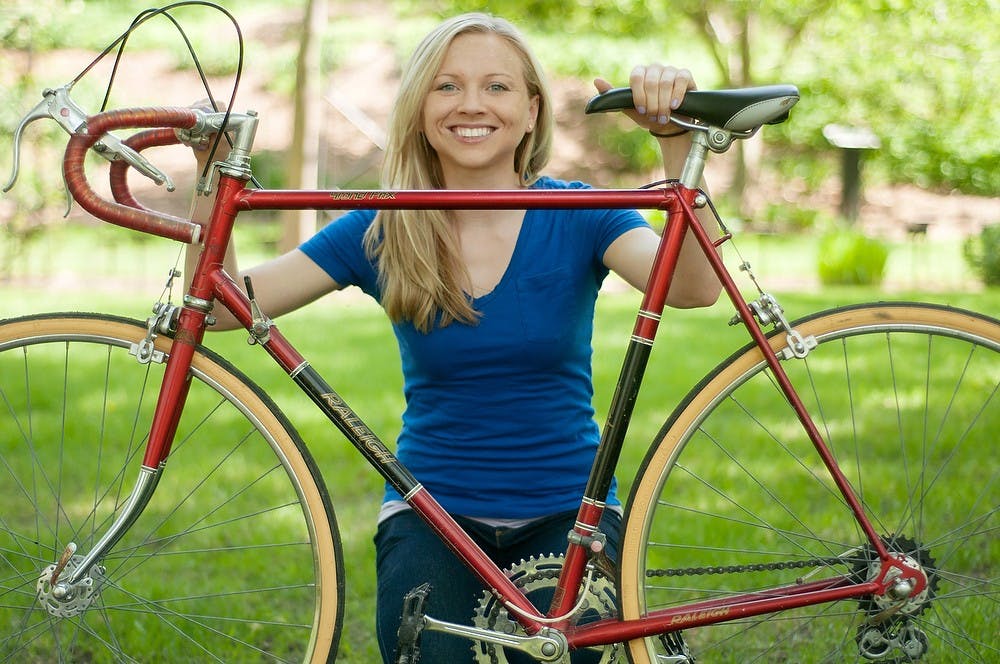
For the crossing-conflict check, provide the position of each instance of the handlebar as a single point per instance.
(140, 219)
(93, 132)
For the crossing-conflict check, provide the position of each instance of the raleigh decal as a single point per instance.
(686, 618)
(358, 428)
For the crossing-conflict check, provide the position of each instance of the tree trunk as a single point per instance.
(746, 155)
(302, 162)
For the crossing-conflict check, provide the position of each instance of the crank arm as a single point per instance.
(546, 646)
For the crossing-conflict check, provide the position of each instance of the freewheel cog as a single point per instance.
(895, 638)
(869, 565)
(534, 577)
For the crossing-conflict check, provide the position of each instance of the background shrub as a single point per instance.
(982, 252)
(848, 257)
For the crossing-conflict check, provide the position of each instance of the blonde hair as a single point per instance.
(420, 270)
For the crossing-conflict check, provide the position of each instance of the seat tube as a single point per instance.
(584, 539)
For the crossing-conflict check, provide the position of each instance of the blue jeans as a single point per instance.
(409, 554)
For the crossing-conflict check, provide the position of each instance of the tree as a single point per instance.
(302, 161)
(921, 73)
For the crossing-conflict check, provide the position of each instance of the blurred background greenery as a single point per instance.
(921, 75)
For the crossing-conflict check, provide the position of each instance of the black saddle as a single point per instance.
(739, 110)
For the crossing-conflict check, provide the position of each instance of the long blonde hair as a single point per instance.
(420, 271)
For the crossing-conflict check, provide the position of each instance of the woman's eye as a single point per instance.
(447, 87)
(497, 87)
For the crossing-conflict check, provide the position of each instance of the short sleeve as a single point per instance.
(607, 225)
(338, 248)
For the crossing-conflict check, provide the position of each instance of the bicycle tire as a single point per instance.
(236, 558)
(732, 498)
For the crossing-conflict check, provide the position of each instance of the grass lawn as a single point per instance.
(347, 338)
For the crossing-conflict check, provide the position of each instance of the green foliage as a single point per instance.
(920, 73)
(624, 17)
(32, 205)
(848, 257)
(982, 252)
(937, 128)
(783, 216)
(635, 150)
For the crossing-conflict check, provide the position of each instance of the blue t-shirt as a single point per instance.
(499, 417)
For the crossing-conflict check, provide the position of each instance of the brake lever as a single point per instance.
(57, 105)
(38, 112)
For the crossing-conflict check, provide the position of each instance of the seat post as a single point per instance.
(694, 165)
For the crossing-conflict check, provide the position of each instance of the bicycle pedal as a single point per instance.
(411, 624)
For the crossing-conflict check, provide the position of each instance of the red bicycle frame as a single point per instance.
(211, 283)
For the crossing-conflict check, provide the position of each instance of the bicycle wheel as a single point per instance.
(235, 559)
(732, 497)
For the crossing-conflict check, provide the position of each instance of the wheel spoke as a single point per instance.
(234, 559)
(733, 498)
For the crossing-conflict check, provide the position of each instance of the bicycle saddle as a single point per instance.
(740, 110)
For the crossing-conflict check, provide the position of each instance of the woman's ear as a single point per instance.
(533, 112)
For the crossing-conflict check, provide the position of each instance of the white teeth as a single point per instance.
(473, 132)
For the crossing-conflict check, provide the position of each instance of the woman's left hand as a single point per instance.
(657, 90)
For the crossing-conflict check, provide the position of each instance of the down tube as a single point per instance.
(413, 492)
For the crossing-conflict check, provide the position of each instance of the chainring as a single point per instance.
(531, 576)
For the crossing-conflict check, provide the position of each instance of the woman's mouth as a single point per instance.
(473, 132)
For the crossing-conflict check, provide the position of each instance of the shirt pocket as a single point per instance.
(546, 303)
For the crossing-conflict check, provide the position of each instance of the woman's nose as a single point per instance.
(470, 101)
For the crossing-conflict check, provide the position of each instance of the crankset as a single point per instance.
(536, 577)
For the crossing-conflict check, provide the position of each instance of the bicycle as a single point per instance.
(855, 521)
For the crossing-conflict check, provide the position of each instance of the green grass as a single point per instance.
(347, 338)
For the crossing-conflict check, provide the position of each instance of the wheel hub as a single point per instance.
(63, 599)
(914, 557)
(888, 634)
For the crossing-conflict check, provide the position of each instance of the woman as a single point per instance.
(492, 310)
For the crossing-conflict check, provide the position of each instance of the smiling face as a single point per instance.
(478, 110)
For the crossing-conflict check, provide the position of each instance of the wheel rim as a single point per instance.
(223, 564)
(912, 434)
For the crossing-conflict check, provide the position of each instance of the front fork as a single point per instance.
(69, 585)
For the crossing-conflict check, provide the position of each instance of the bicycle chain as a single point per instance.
(756, 567)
